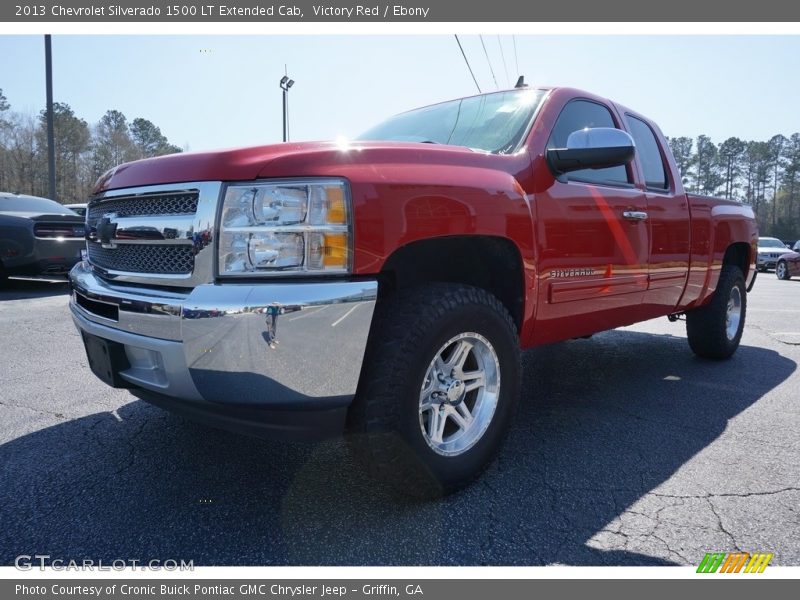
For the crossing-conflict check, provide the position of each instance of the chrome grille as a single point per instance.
(166, 259)
(179, 203)
(154, 235)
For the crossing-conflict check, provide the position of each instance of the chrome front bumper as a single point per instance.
(272, 345)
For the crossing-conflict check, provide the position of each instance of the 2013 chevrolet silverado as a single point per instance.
(385, 286)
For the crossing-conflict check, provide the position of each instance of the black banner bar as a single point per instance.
(388, 589)
(412, 11)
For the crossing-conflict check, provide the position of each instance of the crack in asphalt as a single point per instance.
(722, 526)
(771, 335)
(32, 409)
(100, 478)
(669, 548)
(658, 521)
(728, 494)
(629, 538)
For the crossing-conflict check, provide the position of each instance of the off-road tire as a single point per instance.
(384, 424)
(706, 326)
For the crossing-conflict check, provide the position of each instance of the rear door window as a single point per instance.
(649, 153)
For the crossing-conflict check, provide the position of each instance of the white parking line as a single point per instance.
(786, 333)
(344, 316)
(308, 312)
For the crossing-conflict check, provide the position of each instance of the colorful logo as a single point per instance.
(734, 562)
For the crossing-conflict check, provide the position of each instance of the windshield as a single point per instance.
(33, 205)
(770, 243)
(492, 122)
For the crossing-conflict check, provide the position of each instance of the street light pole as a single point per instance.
(51, 148)
(285, 84)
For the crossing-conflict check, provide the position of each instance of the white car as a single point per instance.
(769, 250)
(78, 208)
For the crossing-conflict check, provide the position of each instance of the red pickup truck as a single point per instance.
(384, 287)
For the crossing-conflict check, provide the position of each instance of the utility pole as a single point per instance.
(51, 147)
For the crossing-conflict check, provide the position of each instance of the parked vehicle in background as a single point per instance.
(77, 208)
(769, 251)
(38, 236)
(788, 265)
(386, 286)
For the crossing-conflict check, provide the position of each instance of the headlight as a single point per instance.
(285, 228)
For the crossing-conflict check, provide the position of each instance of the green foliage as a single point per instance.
(72, 140)
(682, 151)
(149, 141)
(707, 173)
(764, 174)
(83, 152)
(730, 156)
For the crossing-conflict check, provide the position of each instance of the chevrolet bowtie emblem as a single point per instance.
(105, 231)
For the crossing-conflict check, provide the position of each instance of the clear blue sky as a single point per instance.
(220, 91)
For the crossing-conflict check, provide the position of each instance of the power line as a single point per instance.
(516, 62)
(490, 63)
(503, 56)
(468, 66)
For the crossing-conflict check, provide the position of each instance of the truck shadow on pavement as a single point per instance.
(602, 422)
(23, 289)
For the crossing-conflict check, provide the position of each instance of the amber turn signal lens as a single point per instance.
(335, 253)
(336, 206)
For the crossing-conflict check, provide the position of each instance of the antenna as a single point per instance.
(521, 82)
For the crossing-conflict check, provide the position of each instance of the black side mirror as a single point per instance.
(595, 148)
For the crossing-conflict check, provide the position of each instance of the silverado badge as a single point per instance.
(578, 272)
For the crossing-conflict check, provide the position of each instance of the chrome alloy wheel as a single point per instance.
(734, 313)
(459, 394)
(780, 270)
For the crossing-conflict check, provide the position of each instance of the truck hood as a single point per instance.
(280, 160)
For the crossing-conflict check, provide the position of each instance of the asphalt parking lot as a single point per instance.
(627, 450)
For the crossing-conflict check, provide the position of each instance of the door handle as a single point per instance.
(634, 215)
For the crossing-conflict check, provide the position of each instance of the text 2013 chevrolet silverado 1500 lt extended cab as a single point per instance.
(385, 287)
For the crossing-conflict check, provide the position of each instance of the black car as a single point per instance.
(38, 236)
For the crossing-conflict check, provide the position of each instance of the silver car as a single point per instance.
(769, 250)
(77, 208)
